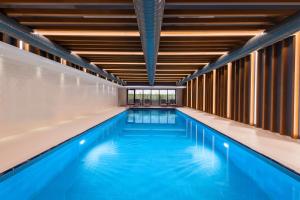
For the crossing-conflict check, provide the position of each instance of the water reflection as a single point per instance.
(93, 158)
(151, 116)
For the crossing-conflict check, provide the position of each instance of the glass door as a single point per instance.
(130, 97)
(155, 97)
(163, 96)
(147, 98)
(172, 97)
(138, 97)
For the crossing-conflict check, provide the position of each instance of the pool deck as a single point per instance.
(282, 149)
(18, 148)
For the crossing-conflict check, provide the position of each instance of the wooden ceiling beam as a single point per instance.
(134, 49)
(196, 21)
(134, 71)
(85, 13)
(71, 2)
(130, 74)
(129, 13)
(80, 20)
(87, 28)
(121, 2)
(171, 33)
(226, 12)
(129, 39)
(162, 44)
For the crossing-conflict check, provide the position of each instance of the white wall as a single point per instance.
(37, 93)
(122, 96)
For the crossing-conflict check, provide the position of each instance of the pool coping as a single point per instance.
(290, 169)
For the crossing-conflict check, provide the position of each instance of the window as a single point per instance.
(151, 97)
(147, 97)
(138, 96)
(130, 96)
(163, 96)
(171, 96)
(155, 97)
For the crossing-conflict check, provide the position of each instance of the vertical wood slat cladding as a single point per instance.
(200, 92)
(194, 92)
(221, 91)
(9, 40)
(275, 87)
(229, 90)
(188, 93)
(209, 92)
(297, 87)
(184, 96)
(240, 90)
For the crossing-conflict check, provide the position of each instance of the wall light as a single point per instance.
(21, 44)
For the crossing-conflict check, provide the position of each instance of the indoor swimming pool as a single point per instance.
(150, 154)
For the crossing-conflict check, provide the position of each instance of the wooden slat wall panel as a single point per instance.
(240, 90)
(247, 90)
(289, 44)
(297, 87)
(188, 93)
(260, 63)
(200, 92)
(191, 94)
(194, 92)
(184, 96)
(209, 92)
(9, 40)
(234, 89)
(275, 80)
(277, 89)
(229, 90)
(221, 91)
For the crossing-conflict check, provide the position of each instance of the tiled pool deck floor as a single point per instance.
(282, 149)
(16, 149)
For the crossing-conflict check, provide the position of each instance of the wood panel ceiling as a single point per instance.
(105, 32)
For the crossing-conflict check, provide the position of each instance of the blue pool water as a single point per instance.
(150, 154)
